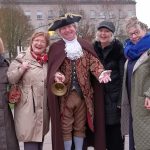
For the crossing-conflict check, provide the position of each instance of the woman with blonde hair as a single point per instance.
(110, 52)
(8, 140)
(29, 71)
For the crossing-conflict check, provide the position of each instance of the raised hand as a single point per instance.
(105, 76)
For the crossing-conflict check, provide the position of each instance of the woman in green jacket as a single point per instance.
(136, 86)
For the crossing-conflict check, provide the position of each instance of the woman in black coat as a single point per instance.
(8, 140)
(110, 52)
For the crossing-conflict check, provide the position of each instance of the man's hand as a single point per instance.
(59, 77)
(105, 76)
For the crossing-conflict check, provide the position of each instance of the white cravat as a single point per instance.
(73, 49)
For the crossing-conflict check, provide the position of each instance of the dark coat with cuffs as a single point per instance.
(112, 57)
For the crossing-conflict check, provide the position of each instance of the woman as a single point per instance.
(29, 70)
(136, 86)
(110, 52)
(8, 139)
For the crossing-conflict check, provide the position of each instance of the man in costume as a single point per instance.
(71, 60)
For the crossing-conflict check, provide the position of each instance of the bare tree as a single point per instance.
(68, 6)
(116, 15)
(86, 30)
(108, 12)
(14, 27)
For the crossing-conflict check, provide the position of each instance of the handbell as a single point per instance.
(58, 89)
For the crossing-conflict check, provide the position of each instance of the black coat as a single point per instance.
(8, 140)
(112, 58)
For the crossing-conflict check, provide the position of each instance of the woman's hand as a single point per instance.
(59, 77)
(147, 103)
(105, 76)
(24, 66)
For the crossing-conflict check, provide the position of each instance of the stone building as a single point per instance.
(41, 12)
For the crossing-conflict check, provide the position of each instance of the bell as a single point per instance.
(58, 89)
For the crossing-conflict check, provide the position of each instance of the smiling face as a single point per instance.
(135, 33)
(105, 36)
(39, 44)
(68, 32)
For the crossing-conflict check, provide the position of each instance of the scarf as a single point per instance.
(134, 51)
(73, 49)
(40, 58)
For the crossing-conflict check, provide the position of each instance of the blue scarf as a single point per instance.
(134, 51)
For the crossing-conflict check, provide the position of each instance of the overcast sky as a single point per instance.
(143, 11)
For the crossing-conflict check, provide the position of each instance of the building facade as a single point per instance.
(42, 12)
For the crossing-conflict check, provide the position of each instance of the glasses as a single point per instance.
(39, 41)
(136, 32)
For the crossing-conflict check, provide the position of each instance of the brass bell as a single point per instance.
(58, 89)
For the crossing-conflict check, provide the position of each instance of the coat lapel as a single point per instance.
(140, 61)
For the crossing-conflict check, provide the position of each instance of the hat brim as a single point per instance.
(107, 27)
(63, 21)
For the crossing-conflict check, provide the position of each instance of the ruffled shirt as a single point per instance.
(73, 49)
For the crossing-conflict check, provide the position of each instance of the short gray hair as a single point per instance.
(133, 22)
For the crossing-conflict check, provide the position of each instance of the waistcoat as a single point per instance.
(74, 80)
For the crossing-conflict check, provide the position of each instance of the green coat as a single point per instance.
(140, 88)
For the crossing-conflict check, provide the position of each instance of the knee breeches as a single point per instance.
(74, 117)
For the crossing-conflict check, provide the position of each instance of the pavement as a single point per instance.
(48, 144)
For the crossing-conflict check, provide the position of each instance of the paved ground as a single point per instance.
(47, 143)
(48, 146)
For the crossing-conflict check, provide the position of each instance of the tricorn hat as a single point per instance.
(64, 20)
(107, 24)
